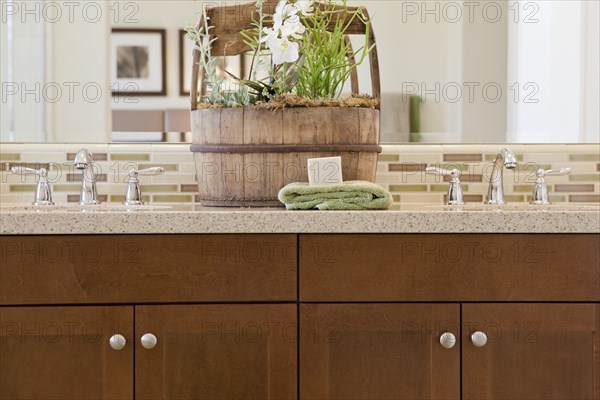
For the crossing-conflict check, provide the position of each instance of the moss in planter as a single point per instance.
(289, 100)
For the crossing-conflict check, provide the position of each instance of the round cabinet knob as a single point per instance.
(447, 340)
(479, 339)
(117, 342)
(148, 341)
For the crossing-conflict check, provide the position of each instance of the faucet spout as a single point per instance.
(505, 159)
(84, 161)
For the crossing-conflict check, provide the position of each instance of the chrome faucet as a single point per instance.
(455, 193)
(43, 193)
(133, 194)
(85, 162)
(506, 158)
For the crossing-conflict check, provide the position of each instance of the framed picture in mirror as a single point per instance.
(138, 62)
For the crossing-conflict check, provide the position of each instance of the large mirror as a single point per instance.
(451, 71)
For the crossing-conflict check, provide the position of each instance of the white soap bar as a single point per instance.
(325, 171)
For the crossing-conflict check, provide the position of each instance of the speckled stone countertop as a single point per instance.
(186, 219)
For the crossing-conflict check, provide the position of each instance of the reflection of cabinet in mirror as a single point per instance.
(151, 125)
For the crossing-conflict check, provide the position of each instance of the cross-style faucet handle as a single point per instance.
(43, 193)
(455, 194)
(133, 194)
(540, 189)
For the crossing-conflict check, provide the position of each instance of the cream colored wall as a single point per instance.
(559, 54)
(439, 52)
(58, 51)
(79, 50)
(4, 118)
(591, 82)
(414, 53)
(484, 61)
(25, 90)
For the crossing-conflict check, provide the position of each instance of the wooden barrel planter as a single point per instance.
(244, 156)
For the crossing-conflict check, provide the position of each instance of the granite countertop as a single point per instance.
(192, 218)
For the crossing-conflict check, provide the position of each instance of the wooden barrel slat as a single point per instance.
(314, 124)
(232, 126)
(369, 126)
(245, 156)
(346, 125)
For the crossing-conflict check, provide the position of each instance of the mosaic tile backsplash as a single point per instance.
(400, 170)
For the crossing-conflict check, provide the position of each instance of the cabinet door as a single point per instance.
(533, 351)
(378, 351)
(65, 353)
(215, 352)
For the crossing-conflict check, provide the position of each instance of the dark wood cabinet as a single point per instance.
(221, 315)
(534, 351)
(459, 267)
(147, 269)
(544, 350)
(378, 351)
(212, 352)
(64, 353)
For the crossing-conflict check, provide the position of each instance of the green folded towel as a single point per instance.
(351, 195)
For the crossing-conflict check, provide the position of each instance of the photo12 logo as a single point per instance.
(54, 12)
(471, 92)
(51, 92)
(453, 12)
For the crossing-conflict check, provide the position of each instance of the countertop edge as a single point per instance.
(296, 222)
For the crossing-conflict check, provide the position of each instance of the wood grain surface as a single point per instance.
(217, 352)
(459, 267)
(534, 351)
(147, 268)
(378, 351)
(64, 353)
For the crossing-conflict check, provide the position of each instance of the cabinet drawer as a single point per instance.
(459, 267)
(153, 268)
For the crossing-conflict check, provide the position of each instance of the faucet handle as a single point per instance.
(553, 172)
(28, 171)
(454, 173)
(455, 193)
(154, 171)
(133, 194)
(43, 193)
(540, 189)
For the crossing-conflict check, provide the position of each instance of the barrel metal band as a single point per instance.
(301, 148)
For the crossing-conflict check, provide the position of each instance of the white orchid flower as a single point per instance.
(284, 51)
(293, 29)
(283, 11)
(305, 7)
(268, 35)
